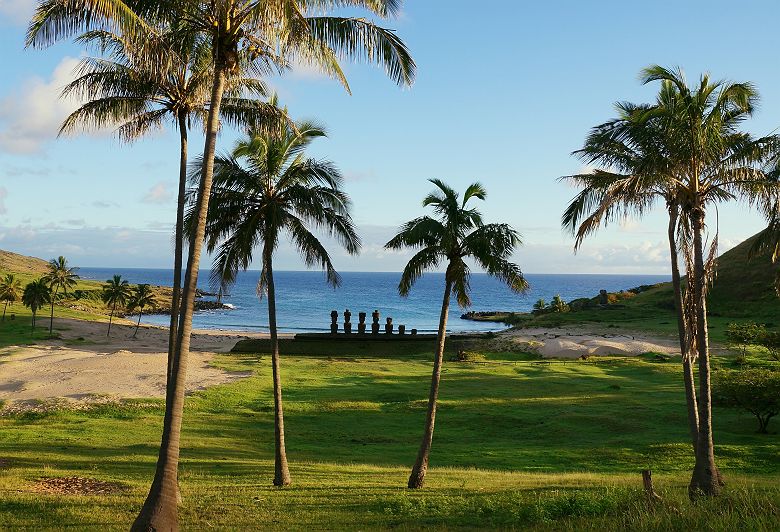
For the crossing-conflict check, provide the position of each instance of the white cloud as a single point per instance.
(159, 194)
(16, 11)
(3, 195)
(34, 113)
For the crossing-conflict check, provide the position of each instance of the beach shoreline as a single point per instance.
(83, 366)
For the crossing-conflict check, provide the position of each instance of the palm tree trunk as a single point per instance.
(4, 309)
(33, 324)
(705, 479)
(110, 319)
(179, 241)
(51, 319)
(281, 471)
(685, 351)
(140, 312)
(417, 477)
(159, 511)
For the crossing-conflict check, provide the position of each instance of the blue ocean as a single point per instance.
(305, 301)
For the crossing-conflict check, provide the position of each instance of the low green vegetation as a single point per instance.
(743, 291)
(519, 443)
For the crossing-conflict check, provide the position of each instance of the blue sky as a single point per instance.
(505, 91)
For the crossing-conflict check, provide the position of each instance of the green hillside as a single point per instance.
(743, 291)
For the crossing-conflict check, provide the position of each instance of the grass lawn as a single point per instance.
(518, 443)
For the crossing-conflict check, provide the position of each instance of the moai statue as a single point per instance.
(347, 324)
(362, 323)
(402, 329)
(603, 298)
(334, 318)
(375, 322)
(389, 326)
(414, 332)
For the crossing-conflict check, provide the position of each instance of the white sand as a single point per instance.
(573, 343)
(87, 366)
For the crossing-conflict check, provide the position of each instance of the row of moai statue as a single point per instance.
(361, 328)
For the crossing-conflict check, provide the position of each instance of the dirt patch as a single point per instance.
(77, 486)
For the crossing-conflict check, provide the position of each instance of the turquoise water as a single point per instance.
(304, 300)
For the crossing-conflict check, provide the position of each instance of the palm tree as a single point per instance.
(36, 294)
(116, 291)
(456, 234)
(127, 91)
(241, 35)
(687, 149)
(10, 291)
(142, 297)
(60, 277)
(637, 153)
(265, 188)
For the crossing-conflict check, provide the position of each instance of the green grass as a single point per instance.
(518, 443)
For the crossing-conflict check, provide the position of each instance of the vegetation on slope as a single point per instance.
(743, 291)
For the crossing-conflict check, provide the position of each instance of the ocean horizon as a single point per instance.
(305, 300)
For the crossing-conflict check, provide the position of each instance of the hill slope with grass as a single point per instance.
(21, 265)
(743, 291)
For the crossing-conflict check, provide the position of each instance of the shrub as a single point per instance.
(754, 390)
(558, 305)
(743, 334)
(770, 340)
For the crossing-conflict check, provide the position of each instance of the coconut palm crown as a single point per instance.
(266, 187)
(457, 233)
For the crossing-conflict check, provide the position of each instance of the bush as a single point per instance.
(558, 305)
(468, 356)
(754, 390)
(742, 335)
(770, 340)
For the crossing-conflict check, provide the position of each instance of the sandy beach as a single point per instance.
(85, 366)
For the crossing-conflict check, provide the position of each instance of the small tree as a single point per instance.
(142, 297)
(36, 294)
(558, 305)
(540, 306)
(770, 340)
(754, 390)
(116, 291)
(10, 291)
(742, 335)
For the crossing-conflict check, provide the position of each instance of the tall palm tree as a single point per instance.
(267, 188)
(456, 234)
(36, 295)
(142, 297)
(638, 156)
(242, 35)
(687, 149)
(116, 291)
(124, 90)
(60, 277)
(10, 291)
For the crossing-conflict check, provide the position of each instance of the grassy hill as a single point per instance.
(21, 264)
(743, 291)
